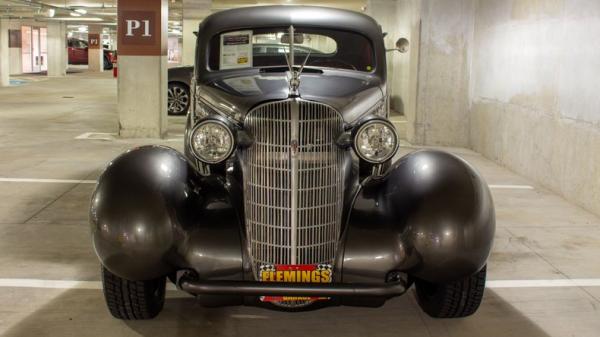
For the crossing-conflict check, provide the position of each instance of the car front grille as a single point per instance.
(293, 183)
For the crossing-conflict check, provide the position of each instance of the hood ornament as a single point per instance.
(295, 79)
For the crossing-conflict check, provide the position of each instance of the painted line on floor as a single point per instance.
(543, 283)
(50, 284)
(51, 181)
(56, 284)
(515, 187)
(97, 285)
(75, 181)
(97, 136)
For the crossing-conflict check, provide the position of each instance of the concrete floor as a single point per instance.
(44, 235)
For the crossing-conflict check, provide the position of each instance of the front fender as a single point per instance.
(431, 216)
(152, 213)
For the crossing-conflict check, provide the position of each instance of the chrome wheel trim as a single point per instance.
(178, 100)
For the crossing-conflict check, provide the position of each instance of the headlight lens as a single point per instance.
(212, 141)
(376, 141)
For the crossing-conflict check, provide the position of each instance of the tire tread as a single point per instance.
(457, 299)
(133, 300)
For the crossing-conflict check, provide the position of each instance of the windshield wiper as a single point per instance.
(282, 69)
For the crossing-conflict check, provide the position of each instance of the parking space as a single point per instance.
(44, 238)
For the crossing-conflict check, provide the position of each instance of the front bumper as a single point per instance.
(254, 288)
(430, 217)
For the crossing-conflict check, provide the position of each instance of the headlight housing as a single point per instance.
(376, 141)
(212, 141)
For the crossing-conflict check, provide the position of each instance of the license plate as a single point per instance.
(299, 273)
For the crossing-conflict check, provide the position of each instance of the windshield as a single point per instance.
(269, 48)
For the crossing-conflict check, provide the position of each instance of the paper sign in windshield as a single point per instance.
(236, 50)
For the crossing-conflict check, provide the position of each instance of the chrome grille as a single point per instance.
(293, 183)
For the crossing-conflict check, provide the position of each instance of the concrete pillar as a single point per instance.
(443, 83)
(15, 38)
(194, 11)
(188, 49)
(384, 11)
(4, 54)
(95, 50)
(113, 41)
(142, 82)
(57, 49)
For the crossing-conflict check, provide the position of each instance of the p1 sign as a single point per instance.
(141, 24)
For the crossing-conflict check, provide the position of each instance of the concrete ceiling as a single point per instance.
(104, 12)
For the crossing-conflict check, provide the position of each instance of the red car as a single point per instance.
(78, 53)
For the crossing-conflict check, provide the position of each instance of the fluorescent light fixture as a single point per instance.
(82, 29)
(75, 14)
(51, 12)
(81, 11)
(73, 19)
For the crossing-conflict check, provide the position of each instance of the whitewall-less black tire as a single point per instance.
(133, 300)
(451, 300)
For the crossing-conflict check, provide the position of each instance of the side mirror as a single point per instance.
(401, 45)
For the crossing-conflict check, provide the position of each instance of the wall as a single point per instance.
(515, 80)
(536, 106)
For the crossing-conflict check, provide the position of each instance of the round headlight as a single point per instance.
(212, 141)
(376, 141)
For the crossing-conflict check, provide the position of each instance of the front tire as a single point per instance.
(133, 300)
(452, 300)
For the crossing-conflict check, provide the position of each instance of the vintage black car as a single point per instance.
(286, 195)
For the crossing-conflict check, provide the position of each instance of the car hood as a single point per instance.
(350, 93)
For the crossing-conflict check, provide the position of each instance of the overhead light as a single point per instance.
(82, 29)
(51, 12)
(81, 11)
(75, 14)
(74, 19)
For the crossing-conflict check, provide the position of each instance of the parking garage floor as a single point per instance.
(55, 138)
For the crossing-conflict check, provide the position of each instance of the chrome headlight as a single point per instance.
(212, 141)
(376, 141)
